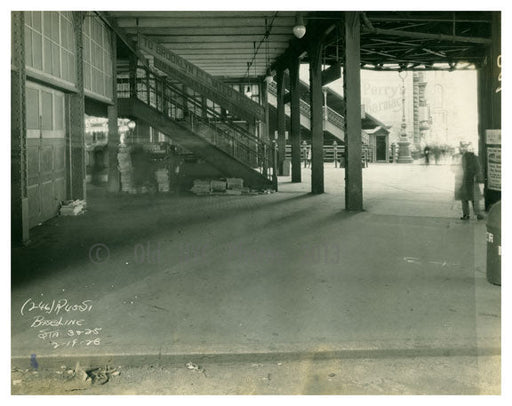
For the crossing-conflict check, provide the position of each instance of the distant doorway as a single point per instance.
(381, 146)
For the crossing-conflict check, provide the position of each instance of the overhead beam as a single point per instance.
(200, 30)
(201, 14)
(240, 37)
(212, 21)
(418, 68)
(220, 45)
(331, 74)
(429, 20)
(328, 75)
(425, 35)
(298, 47)
(123, 36)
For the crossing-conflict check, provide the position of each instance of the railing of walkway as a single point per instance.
(333, 117)
(180, 104)
(329, 153)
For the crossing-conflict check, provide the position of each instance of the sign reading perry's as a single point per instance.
(197, 79)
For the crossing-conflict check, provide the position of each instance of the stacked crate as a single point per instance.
(125, 169)
(162, 179)
(201, 187)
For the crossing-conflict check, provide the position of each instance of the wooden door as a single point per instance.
(46, 152)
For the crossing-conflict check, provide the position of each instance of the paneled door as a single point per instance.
(46, 152)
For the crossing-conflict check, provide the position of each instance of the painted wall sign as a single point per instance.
(200, 81)
(493, 137)
(493, 141)
(498, 63)
(494, 168)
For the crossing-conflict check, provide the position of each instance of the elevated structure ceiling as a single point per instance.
(241, 44)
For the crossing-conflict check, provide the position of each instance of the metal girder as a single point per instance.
(315, 35)
(425, 35)
(104, 15)
(213, 21)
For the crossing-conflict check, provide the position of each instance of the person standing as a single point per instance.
(305, 152)
(426, 151)
(308, 156)
(466, 183)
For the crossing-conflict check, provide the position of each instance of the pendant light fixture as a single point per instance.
(299, 29)
(268, 74)
(268, 77)
(248, 91)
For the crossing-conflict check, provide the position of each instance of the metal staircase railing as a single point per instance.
(175, 102)
(333, 117)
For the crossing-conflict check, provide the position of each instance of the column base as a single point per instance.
(404, 154)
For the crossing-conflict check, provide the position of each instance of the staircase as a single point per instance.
(167, 106)
(335, 123)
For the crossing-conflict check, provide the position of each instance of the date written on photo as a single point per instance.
(67, 328)
(71, 338)
(75, 343)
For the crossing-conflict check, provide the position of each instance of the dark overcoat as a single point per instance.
(465, 182)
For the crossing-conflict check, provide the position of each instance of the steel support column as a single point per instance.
(132, 72)
(352, 92)
(489, 102)
(281, 123)
(19, 200)
(317, 129)
(264, 100)
(76, 103)
(295, 119)
(264, 126)
(114, 182)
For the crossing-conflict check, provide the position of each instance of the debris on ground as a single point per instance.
(194, 367)
(95, 376)
(72, 207)
(224, 187)
(201, 187)
(234, 184)
(162, 178)
(125, 168)
(218, 186)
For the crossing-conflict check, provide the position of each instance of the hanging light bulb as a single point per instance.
(299, 29)
(248, 92)
(268, 77)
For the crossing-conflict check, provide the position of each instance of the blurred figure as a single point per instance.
(467, 176)
(308, 156)
(437, 154)
(335, 153)
(426, 151)
(305, 153)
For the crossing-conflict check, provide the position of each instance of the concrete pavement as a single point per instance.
(287, 275)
